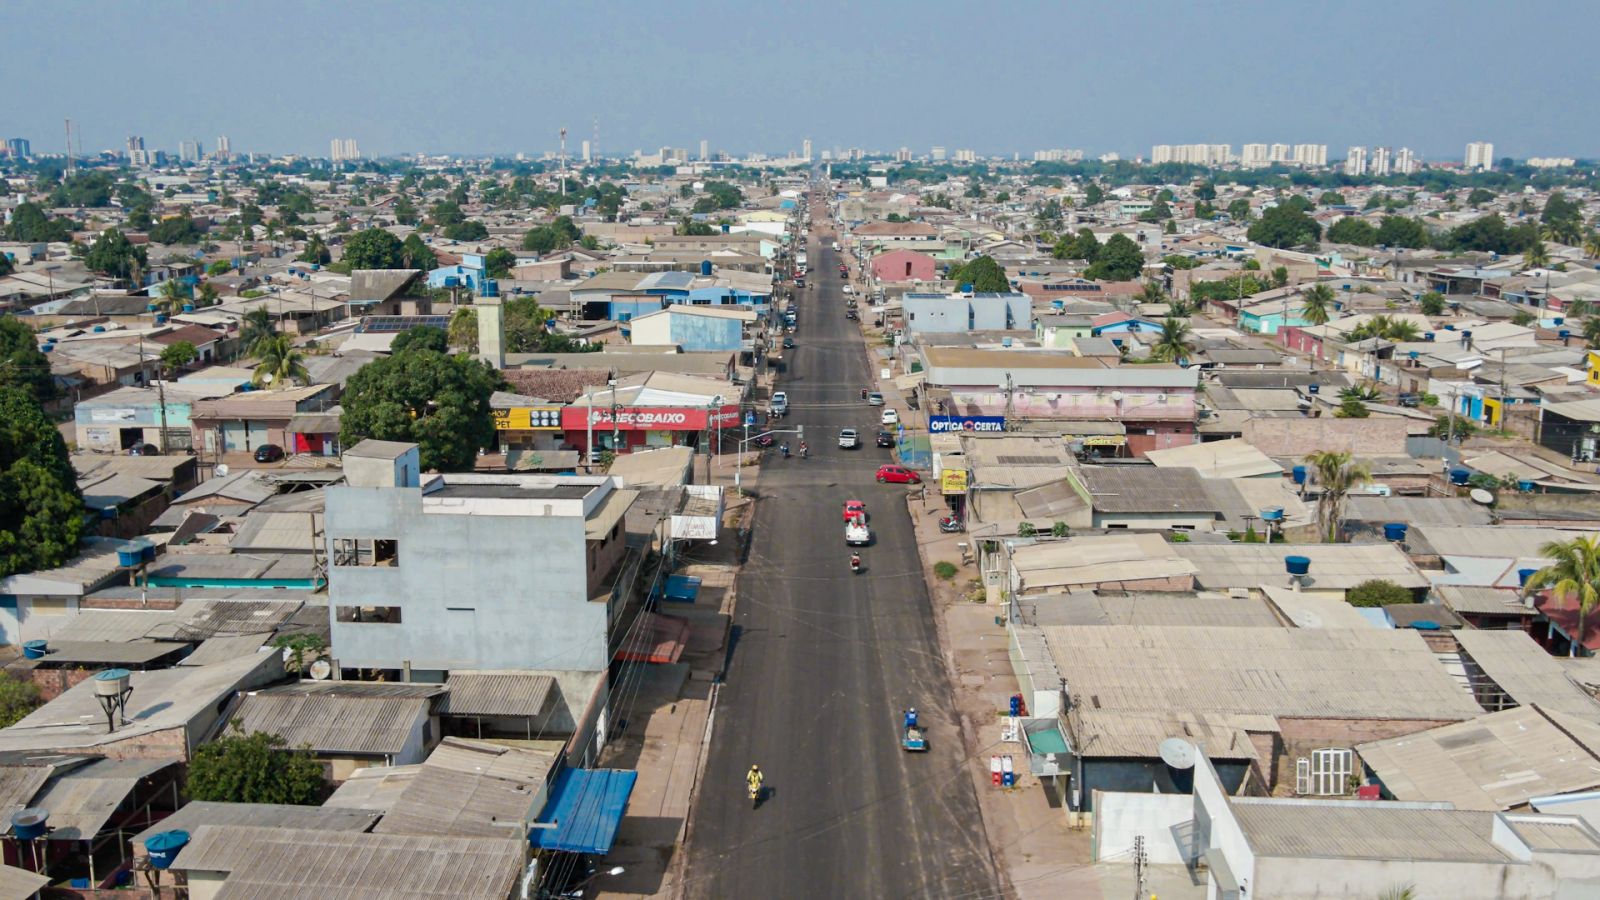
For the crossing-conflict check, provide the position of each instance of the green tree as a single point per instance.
(414, 254)
(301, 647)
(139, 218)
(176, 356)
(17, 698)
(1285, 226)
(446, 212)
(422, 337)
(1399, 231)
(1205, 192)
(373, 248)
(1239, 210)
(1351, 408)
(405, 212)
(1092, 194)
(1591, 245)
(1153, 292)
(1330, 198)
(1536, 256)
(984, 274)
(171, 297)
(1573, 576)
(1337, 475)
(1316, 304)
(1432, 304)
(220, 267)
(22, 364)
(464, 329)
(1353, 230)
(439, 402)
(1479, 196)
(278, 363)
(41, 511)
(1119, 260)
(316, 252)
(1280, 276)
(1524, 318)
(253, 768)
(30, 224)
(176, 230)
(1083, 245)
(1378, 592)
(470, 230)
(498, 262)
(114, 257)
(1174, 343)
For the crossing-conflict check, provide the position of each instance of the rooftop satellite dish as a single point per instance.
(320, 670)
(222, 470)
(1177, 753)
(1481, 496)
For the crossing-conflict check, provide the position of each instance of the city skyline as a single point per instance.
(1337, 89)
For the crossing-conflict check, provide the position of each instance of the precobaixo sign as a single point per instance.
(937, 424)
(648, 418)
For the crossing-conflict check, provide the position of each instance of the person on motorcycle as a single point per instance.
(855, 561)
(784, 448)
(754, 779)
(804, 450)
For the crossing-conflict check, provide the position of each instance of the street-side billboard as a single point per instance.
(648, 418)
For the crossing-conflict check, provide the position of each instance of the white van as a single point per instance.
(780, 403)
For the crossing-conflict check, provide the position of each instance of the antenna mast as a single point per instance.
(563, 160)
(69, 147)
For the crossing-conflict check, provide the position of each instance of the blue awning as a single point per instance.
(587, 807)
(680, 588)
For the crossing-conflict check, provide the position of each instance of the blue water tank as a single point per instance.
(98, 329)
(49, 348)
(188, 307)
(1299, 474)
(1314, 388)
(161, 318)
(1559, 320)
(1459, 476)
(1414, 354)
(1272, 514)
(1563, 334)
(1394, 531)
(489, 288)
(30, 824)
(1424, 625)
(966, 288)
(163, 848)
(35, 649)
(1466, 335)
(724, 227)
(1297, 565)
(705, 268)
(130, 554)
(1523, 575)
(1427, 335)
(152, 307)
(1524, 485)
(1449, 328)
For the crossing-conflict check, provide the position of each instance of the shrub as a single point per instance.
(1378, 592)
(944, 570)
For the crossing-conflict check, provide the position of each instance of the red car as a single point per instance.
(898, 475)
(854, 508)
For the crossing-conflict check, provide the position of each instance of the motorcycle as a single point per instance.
(951, 525)
(855, 564)
(805, 452)
(755, 793)
(785, 449)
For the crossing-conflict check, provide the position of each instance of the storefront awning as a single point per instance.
(586, 807)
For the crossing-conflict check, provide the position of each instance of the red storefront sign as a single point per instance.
(648, 418)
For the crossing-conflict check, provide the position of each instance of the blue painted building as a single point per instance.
(469, 275)
(694, 328)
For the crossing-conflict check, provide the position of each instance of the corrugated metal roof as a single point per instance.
(219, 649)
(1494, 762)
(1526, 672)
(1096, 559)
(1333, 566)
(497, 693)
(1326, 673)
(471, 788)
(1108, 734)
(273, 863)
(1118, 489)
(375, 788)
(1416, 510)
(266, 815)
(334, 723)
(20, 884)
(1233, 458)
(83, 800)
(1558, 833)
(1366, 831)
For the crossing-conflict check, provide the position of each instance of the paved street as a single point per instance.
(824, 661)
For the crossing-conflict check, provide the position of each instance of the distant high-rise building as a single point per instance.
(827, 155)
(805, 149)
(18, 148)
(705, 150)
(1355, 162)
(1110, 157)
(1480, 156)
(1311, 154)
(135, 144)
(586, 149)
(901, 155)
(344, 149)
(938, 154)
(1253, 156)
(1192, 154)
(188, 151)
(966, 156)
(1161, 153)
(1552, 162)
(224, 149)
(1278, 153)
(1380, 162)
(1405, 162)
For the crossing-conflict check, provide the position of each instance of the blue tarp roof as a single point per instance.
(587, 807)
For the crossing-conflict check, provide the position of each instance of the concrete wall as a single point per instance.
(951, 314)
(1120, 817)
(1153, 522)
(487, 592)
(1146, 776)
(1216, 828)
(1309, 878)
(1300, 435)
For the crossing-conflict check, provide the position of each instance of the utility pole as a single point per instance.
(161, 396)
(1140, 859)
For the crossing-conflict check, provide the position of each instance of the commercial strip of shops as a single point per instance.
(620, 428)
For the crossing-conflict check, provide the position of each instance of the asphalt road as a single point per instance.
(823, 663)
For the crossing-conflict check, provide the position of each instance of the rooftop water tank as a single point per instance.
(1394, 531)
(49, 348)
(163, 848)
(130, 554)
(966, 287)
(1523, 575)
(1459, 476)
(188, 307)
(1559, 320)
(1299, 474)
(152, 307)
(98, 329)
(29, 824)
(1005, 342)
(1296, 565)
(1272, 514)
(111, 682)
(1524, 485)
(705, 268)
(1427, 335)
(35, 649)
(1313, 388)
(1425, 625)
(161, 318)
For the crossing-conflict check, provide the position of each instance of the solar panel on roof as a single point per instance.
(395, 324)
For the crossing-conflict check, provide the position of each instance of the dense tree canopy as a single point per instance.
(41, 511)
(1352, 230)
(1285, 226)
(30, 224)
(1378, 592)
(176, 230)
(1399, 231)
(470, 230)
(87, 189)
(253, 768)
(373, 248)
(414, 254)
(558, 235)
(984, 274)
(1119, 260)
(22, 364)
(423, 337)
(498, 262)
(437, 401)
(1083, 245)
(114, 256)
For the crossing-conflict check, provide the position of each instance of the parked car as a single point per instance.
(1411, 400)
(268, 453)
(780, 403)
(897, 475)
(851, 315)
(874, 399)
(788, 343)
(890, 417)
(885, 439)
(848, 290)
(848, 439)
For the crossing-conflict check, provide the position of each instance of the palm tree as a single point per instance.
(1564, 231)
(1591, 331)
(1337, 474)
(1174, 343)
(206, 295)
(171, 298)
(1153, 292)
(1402, 331)
(1366, 393)
(280, 363)
(257, 327)
(1591, 245)
(1536, 256)
(1316, 304)
(1572, 575)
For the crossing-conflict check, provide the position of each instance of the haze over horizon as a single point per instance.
(499, 77)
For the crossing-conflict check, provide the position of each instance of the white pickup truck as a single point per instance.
(856, 533)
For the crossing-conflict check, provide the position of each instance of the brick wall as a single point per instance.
(1301, 736)
(1300, 435)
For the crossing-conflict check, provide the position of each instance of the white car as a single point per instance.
(857, 534)
(848, 439)
(890, 417)
(849, 290)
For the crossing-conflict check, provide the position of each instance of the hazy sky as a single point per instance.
(460, 76)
